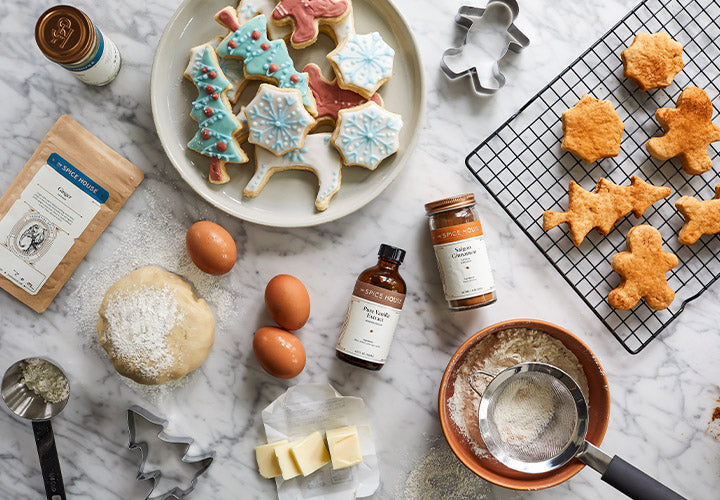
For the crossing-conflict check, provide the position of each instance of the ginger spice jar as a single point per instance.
(460, 251)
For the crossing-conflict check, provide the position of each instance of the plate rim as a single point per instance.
(322, 217)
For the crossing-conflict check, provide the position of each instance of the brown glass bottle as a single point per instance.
(374, 312)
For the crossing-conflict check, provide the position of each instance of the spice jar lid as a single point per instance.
(459, 201)
(64, 34)
(391, 253)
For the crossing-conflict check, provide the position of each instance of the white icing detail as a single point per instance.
(367, 134)
(317, 156)
(256, 7)
(232, 68)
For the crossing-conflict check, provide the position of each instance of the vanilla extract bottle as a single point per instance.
(374, 312)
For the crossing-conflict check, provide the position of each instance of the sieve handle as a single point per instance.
(472, 379)
(635, 483)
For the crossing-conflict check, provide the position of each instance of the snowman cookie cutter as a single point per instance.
(490, 33)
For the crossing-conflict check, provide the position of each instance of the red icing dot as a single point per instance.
(209, 89)
(294, 78)
(255, 35)
(265, 46)
(212, 74)
(215, 96)
(273, 68)
(205, 134)
(204, 69)
(232, 44)
(221, 146)
(208, 111)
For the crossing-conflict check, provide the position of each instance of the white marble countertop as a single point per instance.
(662, 398)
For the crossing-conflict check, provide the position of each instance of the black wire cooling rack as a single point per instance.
(524, 169)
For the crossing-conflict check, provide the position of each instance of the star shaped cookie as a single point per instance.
(652, 61)
(643, 268)
(592, 129)
(688, 132)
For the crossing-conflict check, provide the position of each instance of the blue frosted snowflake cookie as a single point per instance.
(365, 135)
(277, 119)
(362, 63)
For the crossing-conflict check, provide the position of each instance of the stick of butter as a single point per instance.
(267, 461)
(310, 453)
(344, 446)
(288, 466)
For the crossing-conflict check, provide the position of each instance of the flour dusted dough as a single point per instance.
(153, 326)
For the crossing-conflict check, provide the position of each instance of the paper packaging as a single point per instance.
(56, 208)
(304, 409)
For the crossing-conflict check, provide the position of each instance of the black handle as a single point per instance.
(635, 483)
(49, 463)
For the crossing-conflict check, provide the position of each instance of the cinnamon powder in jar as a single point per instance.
(460, 251)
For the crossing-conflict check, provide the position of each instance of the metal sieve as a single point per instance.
(533, 418)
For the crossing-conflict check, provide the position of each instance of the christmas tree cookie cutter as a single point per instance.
(489, 34)
(204, 460)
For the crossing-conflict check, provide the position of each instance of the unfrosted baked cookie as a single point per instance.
(592, 129)
(652, 61)
(153, 327)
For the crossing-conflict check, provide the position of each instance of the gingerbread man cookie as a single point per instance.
(330, 98)
(307, 15)
(701, 217)
(602, 208)
(592, 129)
(688, 132)
(652, 61)
(643, 268)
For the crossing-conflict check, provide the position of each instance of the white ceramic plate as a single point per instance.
(288, 198)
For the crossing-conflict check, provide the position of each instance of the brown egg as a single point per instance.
(279, 352)
(211, 247)
(287, 301)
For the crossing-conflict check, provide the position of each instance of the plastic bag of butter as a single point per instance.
(304, 409)
(56, 208)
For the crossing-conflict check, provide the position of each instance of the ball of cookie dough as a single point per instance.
(153, 326)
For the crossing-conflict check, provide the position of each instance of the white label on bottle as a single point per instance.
(370, 323)
(464, 268)
(103, 67)
(42, 225)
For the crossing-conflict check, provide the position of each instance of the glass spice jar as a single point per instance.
(460, 251)
(68, 37)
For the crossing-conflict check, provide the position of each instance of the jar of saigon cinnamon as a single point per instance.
(460, 251)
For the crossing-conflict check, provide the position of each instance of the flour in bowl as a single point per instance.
(495, 353)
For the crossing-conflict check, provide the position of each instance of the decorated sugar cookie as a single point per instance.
(365, 135)
(277, 120)
(247, 9)
(330, 98)
(362, 63)
(264, 59)
(232, 68)
(317, 155)
(217, 125)
(307, 15)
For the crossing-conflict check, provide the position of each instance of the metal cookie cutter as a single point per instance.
(204, 460)
(490, 33)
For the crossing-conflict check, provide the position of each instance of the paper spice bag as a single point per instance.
(56, 208)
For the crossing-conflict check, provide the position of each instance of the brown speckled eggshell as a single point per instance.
(287, 301)
(279, 352)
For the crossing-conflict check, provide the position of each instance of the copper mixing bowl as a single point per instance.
(486, 466)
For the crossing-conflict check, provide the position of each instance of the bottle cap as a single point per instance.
(391, 253)
(64, 34)
(460, 201)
